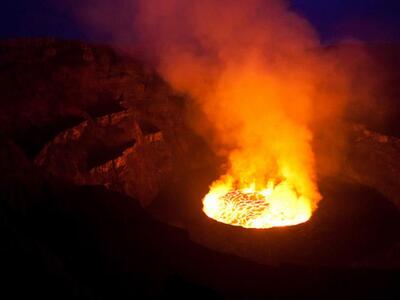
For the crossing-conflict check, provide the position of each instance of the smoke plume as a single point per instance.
(262, 85)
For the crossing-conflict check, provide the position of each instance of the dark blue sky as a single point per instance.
(372, 20)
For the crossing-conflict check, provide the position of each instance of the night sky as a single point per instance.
(369, 20)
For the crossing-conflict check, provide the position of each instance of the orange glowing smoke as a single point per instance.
(261, 86)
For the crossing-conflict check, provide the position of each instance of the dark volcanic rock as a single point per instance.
(48, 86)
(92, 116)
(88, 242)
(374, 160)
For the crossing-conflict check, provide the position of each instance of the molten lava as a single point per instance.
(274, 206)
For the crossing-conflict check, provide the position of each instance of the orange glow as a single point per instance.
(261, 87)
(269, 179)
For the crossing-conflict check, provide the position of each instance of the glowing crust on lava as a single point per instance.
(274, 206)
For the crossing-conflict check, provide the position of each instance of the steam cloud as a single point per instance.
(261, 82)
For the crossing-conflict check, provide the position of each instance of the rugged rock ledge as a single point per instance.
(92, 116)
(98, 152)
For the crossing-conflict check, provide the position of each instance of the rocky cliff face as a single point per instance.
(92, 116)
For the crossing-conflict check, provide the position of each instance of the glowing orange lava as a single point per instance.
(275, 206)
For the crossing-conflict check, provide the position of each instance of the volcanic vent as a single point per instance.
(274, 206)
